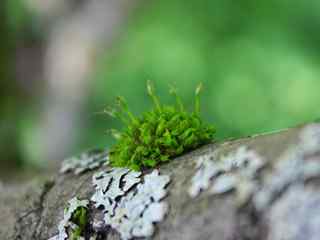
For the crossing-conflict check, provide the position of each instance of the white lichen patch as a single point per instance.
(297, 165)
(236, 171)
(66, 223)
(296, 216)
(206, 170)
(112, 184)
(132, 211)
(136, 212)
(86, 161)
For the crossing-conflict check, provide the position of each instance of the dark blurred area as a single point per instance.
(62, 61)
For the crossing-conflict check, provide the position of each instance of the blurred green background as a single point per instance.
(259, 62)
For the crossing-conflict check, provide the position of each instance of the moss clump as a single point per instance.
(80, 219)
(159, 134)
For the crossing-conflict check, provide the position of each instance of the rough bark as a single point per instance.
(33, 210)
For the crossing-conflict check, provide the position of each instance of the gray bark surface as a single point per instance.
(33, 210)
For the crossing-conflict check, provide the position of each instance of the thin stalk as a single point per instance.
(173, 91)
(197, 99)
(115, 133)
(115, 114)
(124, 108)
(153, 96)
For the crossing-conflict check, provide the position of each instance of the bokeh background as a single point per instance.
(63, 61)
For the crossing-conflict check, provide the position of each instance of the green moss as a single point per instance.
(158, 135)
(79, 218)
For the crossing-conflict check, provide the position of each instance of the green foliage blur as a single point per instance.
(15, 104)
(11, 16)
(259, 62)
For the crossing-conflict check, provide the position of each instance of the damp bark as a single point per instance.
(276, 199)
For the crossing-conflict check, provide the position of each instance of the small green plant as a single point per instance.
(80, 219)
(158, 135)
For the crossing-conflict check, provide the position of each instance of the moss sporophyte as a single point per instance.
(157, 135)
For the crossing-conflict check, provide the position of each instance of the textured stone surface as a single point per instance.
(34, 210)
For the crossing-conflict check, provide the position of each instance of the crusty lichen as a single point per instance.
(86, 161)
(206, 170)
(236, 171)
(295, 166)
(296, 215)
(112, 184)
(131, 210)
